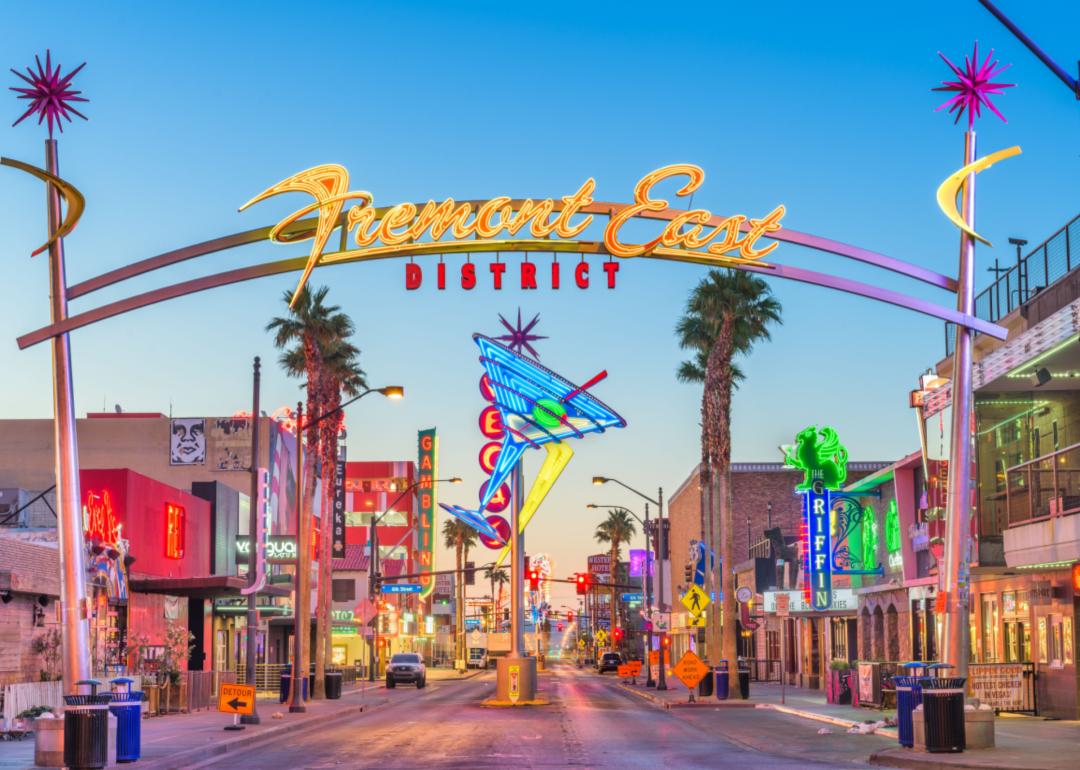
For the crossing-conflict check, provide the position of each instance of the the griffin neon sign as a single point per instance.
(819, 454)
(404, 227)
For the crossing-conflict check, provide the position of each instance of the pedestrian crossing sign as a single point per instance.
(695, 600)
(601, 635)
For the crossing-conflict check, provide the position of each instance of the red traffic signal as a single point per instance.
(560, 626)
(582, 583)
(667, 640)
(534, 580)
(570, 615)
(618, 634)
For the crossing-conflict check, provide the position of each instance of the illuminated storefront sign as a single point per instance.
(280, 549)
(175, 531)
(429, 471)
(342, 614)
(99, 519)
(819, 454)
(404, 228)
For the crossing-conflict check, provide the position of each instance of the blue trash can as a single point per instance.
(721, 674)
(286, 681)
(908, 698)
(126, 706)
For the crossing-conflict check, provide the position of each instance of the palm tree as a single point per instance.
(495, 576)
(310, 327)
(616, 529)
(459, 536)
(693, 371)
(726, 314)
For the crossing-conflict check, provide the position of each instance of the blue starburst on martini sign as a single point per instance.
(520, 338)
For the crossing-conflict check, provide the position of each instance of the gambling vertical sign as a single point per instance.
(428, 465)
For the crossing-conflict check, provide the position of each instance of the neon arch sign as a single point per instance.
(683, 239)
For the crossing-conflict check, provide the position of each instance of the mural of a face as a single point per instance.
(187, 442)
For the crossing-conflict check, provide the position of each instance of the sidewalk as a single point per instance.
(1023, 743)
(185, 739)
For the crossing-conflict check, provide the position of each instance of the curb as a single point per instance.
(195, 756)
(886, 732)
(919, 761)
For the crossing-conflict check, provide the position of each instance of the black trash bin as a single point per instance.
(333, 685)
(86, 729)
(744, 680)
(707, 685)
(943, 713)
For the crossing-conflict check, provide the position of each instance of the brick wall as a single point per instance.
(17, 663)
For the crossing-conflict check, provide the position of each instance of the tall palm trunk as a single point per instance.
(612, 610)
(719, 377)
(459, 616)
(327, 429)
(464, 562)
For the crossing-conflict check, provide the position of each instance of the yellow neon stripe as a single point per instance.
(558, 455)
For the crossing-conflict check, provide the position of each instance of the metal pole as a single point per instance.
(956, 633)
(662, 683)
(517, 568)
(253, 528)
(373, 565)
(649, 681)
(75, 629)
(298, 670)
(783, 668)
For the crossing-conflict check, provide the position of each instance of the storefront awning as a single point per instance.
(289, 620)
(210, 587)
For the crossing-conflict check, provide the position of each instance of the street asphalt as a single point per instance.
(590, 724)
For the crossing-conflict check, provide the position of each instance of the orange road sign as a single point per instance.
(690, 670)
(236, 699)
(635, 668)
(654, 657)
(624, 672)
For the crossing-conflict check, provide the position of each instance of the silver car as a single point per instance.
(406, 667)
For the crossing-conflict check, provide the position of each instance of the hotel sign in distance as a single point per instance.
(428, 464)
(509, 225)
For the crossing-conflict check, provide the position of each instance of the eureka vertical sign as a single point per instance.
(428, 466)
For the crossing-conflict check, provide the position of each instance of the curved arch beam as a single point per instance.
(307, 227)
(583, 247)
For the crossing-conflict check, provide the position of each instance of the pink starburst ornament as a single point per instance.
(973, 87)
(50, 94)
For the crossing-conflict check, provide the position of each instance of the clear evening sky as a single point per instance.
(823, 107)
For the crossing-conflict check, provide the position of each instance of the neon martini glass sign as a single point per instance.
(538, 409)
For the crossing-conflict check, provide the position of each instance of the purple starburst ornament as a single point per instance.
(973, 86)
(50, 94)
(520, 338)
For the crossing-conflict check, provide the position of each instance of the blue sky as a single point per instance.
(825, 108)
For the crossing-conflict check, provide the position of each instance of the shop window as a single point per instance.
(772, 645)
(1008, 603)
(344, 590)
(1067, 639)
(839, 633)
(1044, 651)
(1057, 656)
(340, 654)
(990, 628)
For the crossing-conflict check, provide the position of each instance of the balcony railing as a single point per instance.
(1045, 487)
(1047, 263)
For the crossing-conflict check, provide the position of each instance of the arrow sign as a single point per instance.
(236, 699)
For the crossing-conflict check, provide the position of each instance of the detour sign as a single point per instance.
(236, 699)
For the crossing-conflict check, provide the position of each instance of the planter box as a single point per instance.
(838, 687)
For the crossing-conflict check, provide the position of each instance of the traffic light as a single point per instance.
(560, 627)
(570, 615)
(618, 634)
(382, 642)
(667, 640)
(689, 573)
(582, 583)
(534, 580)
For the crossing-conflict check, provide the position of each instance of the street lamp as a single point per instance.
(373, 561)
(599, 480)
(302, 610)
(646, 580)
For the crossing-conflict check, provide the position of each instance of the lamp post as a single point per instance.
(302, 611)
(373, 562)
(646, 580)
(255, 512)
(598, 480)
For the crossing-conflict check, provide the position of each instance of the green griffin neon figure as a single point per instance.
(820, 455)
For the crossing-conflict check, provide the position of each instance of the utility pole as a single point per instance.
(254, 563)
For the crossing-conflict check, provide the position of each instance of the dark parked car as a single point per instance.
(406, 667)
(610, 661)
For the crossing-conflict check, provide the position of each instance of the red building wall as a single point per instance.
(139, 506)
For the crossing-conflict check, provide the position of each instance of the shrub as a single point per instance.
(839, 665)
(34, 712)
